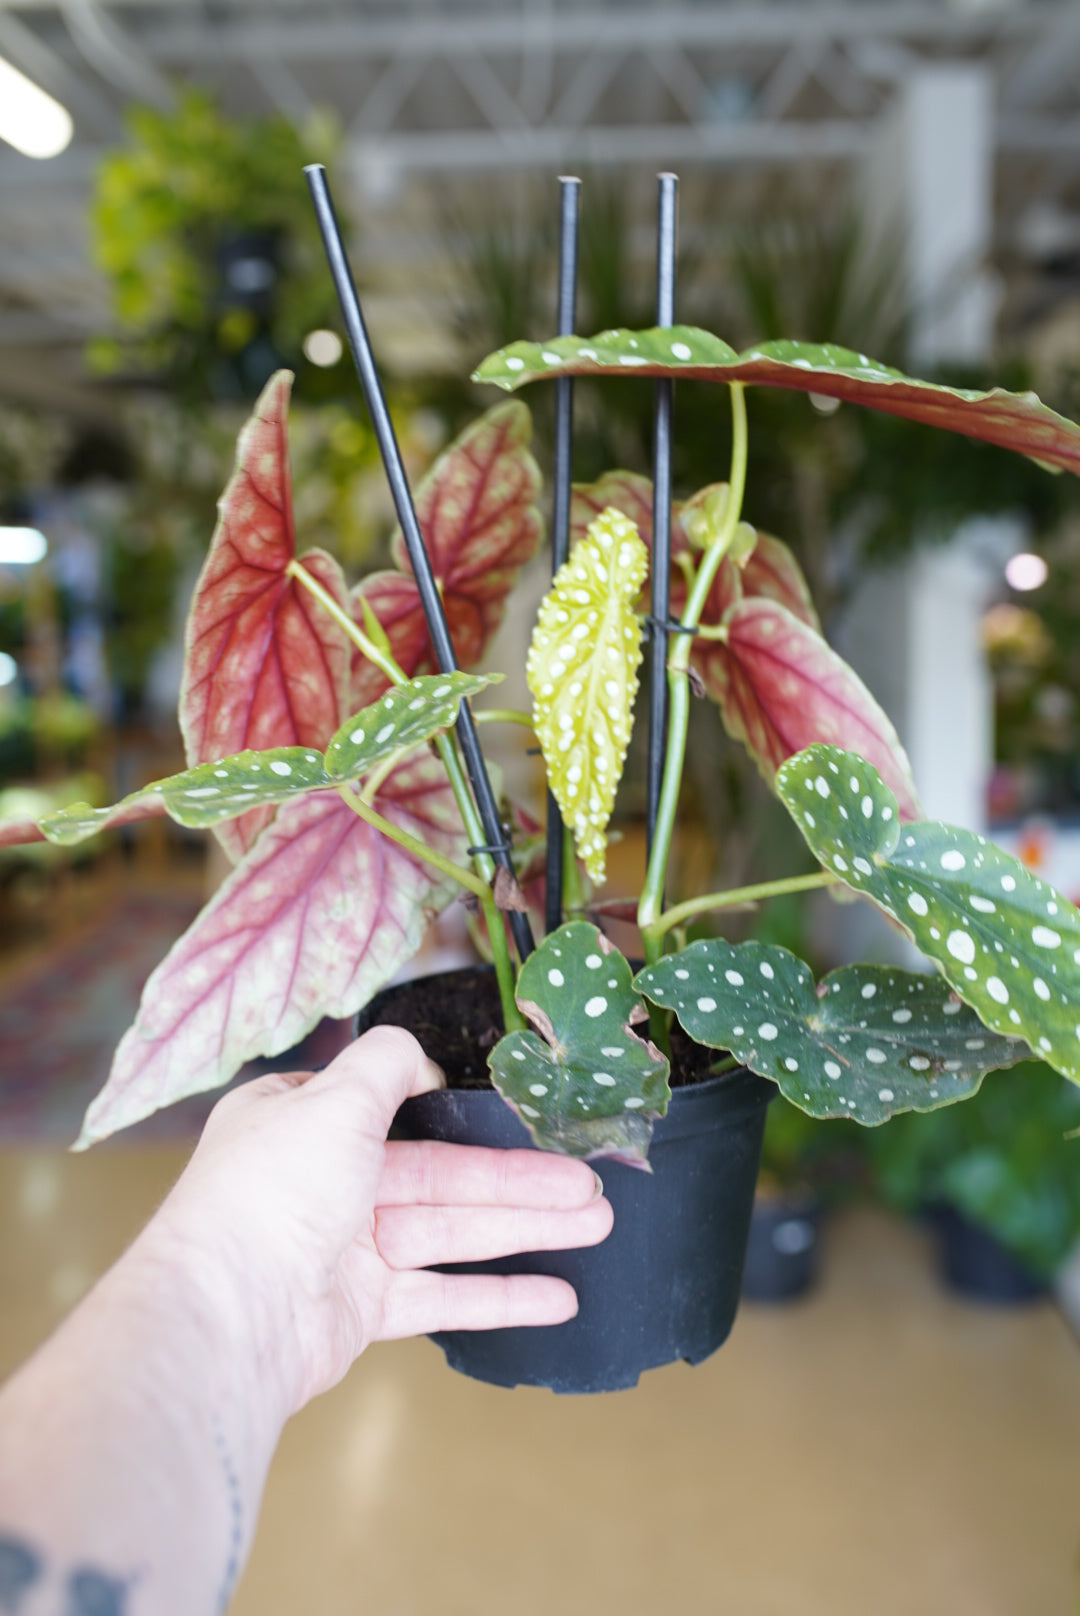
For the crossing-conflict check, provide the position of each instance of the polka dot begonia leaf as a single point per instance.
(1019, 421)
(867, 1042)
(582, 671)
(214, 792)
(584, 1083)
(1006, 941)
(406, 716)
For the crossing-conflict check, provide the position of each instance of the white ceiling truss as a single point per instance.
(455, 92)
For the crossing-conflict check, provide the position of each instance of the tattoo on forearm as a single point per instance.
(20, 1568)
(236, 1520)
(87, 1592)
(91, 1594)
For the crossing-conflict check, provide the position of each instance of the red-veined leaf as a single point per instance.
(1019, 421)
(772, 572)
(781, 688)
(265, 665)
(314, 920)
(478, 515)
(625, 491)
(395, 601)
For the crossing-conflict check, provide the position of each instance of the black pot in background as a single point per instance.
(783, 1250)
(977, 1265)
(665, 1284)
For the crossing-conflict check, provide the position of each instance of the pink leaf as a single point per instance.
(781, 688)
(395, 600)
(319, 914)
(265, 664)
(626, 491)
(772, 573)
(477, 512)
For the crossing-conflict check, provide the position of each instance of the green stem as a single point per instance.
(652, 896)
(680, 912)
(502, 715)
(459, 784)
(413, 845)
(384, 663)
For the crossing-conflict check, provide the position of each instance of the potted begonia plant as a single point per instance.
(317, 720)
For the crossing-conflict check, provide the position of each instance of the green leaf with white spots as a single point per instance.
(587, 1085)
(213, 792)
(1019, 421)
(867, 1042)
(406, 716)
(582, 672)
(1006, 941)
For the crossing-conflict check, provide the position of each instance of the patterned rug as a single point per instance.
(63, 1012)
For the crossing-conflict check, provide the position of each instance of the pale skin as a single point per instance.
(134, 1446)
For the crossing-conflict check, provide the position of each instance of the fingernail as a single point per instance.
(599, 1186)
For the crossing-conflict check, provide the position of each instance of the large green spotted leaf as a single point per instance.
(582, 671)
(865, 1043)
(1019, 421)
(1006, 941)
(584, 1084)
(214, 792)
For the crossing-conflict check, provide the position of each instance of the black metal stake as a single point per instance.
(569, 192)
(487, 807)
(660, 585)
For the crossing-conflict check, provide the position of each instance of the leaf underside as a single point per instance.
(588, 1086)
(777, 682)
(478, 514)
(1017, 421)
(781, 688)
(265, 665)
(212, 793)
(1006, 941)
(868, 1042)
(582, 672)
(312, 922)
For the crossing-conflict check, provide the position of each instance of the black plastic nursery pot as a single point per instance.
(665, 1284)
(782, 1254)
(976, 1264)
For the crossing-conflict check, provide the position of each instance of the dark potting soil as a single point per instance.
(457, 1018)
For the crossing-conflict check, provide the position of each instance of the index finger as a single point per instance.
(427, 1173)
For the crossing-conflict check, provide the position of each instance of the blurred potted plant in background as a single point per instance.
(998, 1179)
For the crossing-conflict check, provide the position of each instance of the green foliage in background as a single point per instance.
(1004, 1159)
(166, 204)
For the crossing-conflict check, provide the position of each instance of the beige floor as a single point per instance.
(880, 1450)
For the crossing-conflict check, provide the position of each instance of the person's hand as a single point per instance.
(315, 1236)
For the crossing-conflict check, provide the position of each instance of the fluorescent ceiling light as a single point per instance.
(30, 120)
(8, 669)
(1026, 571)
(21, 546)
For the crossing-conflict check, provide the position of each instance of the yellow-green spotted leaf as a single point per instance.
(1005, 940)
(582, 671)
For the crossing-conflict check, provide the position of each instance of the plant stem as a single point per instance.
(413, 845)
(680, 912)
(503, 715)
(384, 663)
(470, 818)
(652, 897)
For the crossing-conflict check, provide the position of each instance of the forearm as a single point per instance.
(134, 1447)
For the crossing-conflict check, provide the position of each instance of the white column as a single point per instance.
(914, 632)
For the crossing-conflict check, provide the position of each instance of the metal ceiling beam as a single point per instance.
(309, 37)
